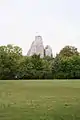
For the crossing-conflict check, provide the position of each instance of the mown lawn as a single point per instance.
(40, 100)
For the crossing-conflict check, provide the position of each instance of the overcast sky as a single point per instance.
(57, 21)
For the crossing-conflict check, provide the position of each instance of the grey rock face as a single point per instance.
(48, 51)
(37, 47)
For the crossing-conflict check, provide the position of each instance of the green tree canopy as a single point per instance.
(68, 51)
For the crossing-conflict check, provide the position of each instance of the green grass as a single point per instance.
(40, 100)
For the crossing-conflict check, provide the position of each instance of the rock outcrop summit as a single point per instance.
(37, 48)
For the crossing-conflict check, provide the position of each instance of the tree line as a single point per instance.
(14, 65)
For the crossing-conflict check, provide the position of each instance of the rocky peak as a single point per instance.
(48, 51)
(37, 47)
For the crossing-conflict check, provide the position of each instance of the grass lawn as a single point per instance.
(40, 100)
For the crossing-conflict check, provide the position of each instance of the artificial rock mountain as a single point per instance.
(37, 48)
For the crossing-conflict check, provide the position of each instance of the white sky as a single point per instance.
(57, 21)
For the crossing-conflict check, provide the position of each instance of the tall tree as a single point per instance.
(68, 51)
(9, 61)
